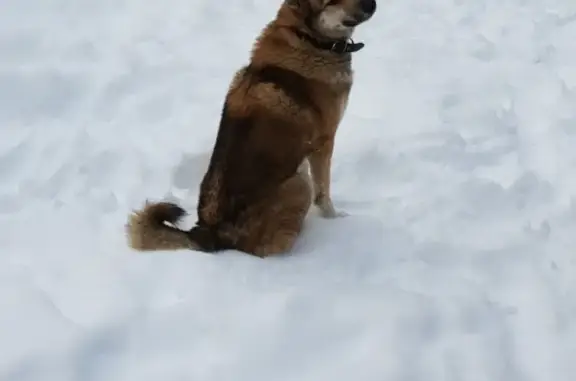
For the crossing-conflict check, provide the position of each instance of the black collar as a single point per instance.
(336, 46)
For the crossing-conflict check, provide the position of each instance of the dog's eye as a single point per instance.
(331, 2)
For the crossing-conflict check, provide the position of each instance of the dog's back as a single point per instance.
(265, 132)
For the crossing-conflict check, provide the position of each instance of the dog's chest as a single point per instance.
(335, 109)
(342, 104)
(342, 83)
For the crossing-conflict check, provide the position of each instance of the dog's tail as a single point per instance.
(146, 229)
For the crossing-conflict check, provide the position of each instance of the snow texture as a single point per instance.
(456, 163)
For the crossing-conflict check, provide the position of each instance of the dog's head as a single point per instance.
(334, 19)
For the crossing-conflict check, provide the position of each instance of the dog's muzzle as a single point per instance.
(366, 8)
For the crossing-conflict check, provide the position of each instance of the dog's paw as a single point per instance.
(331, 214)
(327, 210)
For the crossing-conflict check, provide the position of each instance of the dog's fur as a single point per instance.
(278, 123)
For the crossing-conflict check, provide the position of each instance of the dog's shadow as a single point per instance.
(354, 234)
(355, 249)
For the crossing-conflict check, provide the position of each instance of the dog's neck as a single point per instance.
(286, 42)
(339, 46)
(289, 18)
(280, 46)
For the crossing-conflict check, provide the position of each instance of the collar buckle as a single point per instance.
(340, 46)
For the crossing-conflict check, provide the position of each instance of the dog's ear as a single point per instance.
(294, 4)
(299, 5)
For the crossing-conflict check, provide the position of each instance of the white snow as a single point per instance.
(456, 161)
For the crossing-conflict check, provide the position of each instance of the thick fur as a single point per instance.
(277, 127)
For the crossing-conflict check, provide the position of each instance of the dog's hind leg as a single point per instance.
(282, 216)
(304, 171)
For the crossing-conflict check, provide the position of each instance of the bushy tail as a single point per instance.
(146, 229)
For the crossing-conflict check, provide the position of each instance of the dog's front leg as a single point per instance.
(320, 165)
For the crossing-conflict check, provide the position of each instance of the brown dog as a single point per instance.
(278, 123)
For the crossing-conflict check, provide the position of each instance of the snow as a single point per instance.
(455, 162)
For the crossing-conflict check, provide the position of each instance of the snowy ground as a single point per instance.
(456, 162)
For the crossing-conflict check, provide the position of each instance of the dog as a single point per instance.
(272, 156)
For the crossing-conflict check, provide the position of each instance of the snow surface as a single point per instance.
(456, 161)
